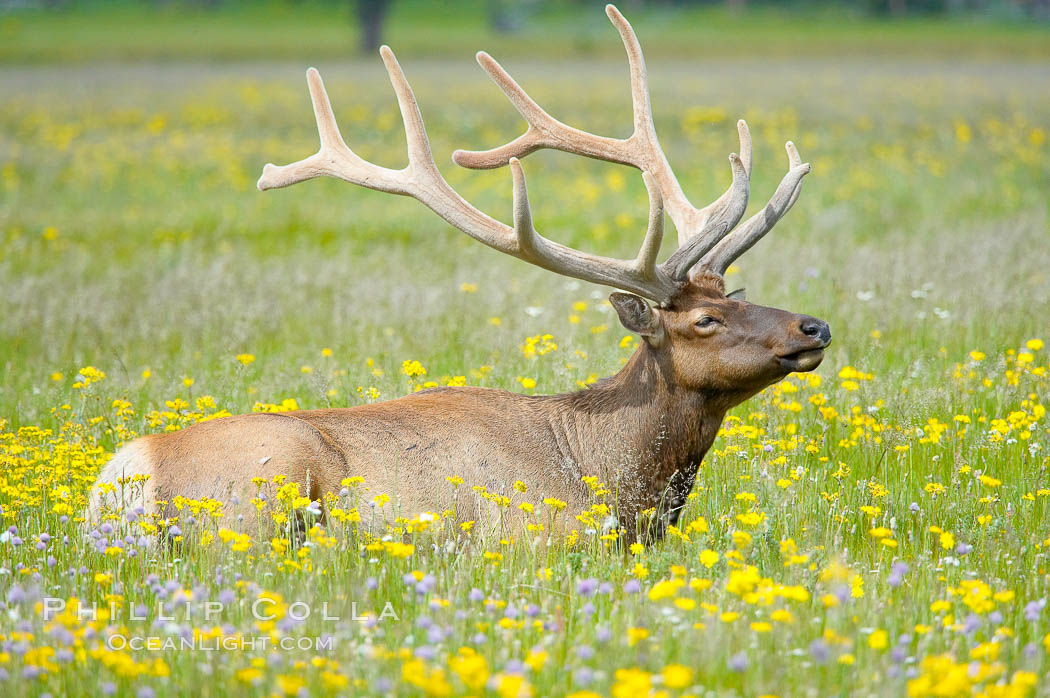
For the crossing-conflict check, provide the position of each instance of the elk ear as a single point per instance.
(740, 294)
(637, 315)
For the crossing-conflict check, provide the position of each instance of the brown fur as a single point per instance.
(643, 432)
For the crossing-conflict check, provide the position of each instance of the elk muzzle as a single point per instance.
(810, 337)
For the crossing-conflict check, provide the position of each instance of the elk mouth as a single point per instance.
(802, 360)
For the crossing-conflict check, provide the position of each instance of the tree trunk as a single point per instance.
(371, 14)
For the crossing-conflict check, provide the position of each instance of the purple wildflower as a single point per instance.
(818, 649)
(738, 662)
(587, 587)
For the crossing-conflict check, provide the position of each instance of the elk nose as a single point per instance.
(817, 329)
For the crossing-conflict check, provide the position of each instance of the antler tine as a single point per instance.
(419, 155)
(645, 262)
(730, 209)
(794, 160)
(544, 131)
(327, 128)
(744, 238)
(640, 100)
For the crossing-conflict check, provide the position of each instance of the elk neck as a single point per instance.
(638, 423)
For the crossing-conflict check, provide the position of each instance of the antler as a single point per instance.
(699, 229)
(702, 233)
(421, 180)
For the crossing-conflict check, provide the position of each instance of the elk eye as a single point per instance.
(706, 321)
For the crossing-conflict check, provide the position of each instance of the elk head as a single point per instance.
(710, 341)
(720, 344)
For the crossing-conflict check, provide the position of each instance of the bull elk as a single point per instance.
(643, 432)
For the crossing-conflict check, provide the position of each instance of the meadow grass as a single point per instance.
(879, 527)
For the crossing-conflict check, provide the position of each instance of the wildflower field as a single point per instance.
(878, 527)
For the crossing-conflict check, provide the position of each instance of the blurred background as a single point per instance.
(79, 30)
(132, 236)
